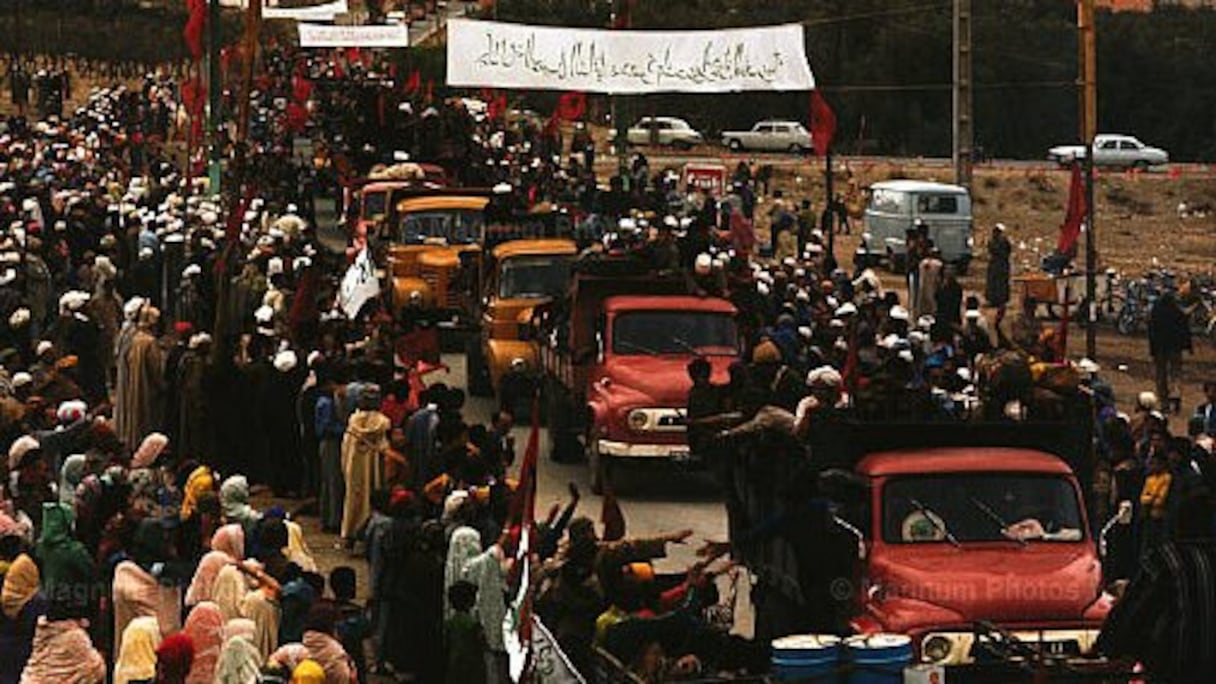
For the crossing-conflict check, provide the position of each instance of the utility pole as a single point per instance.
(618, 116)
(964, 134)
(1087, 52)
(215, 88)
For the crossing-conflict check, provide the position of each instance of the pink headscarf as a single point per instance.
(231, 540)
(227, 546)
(148, 450)
(63, 654)
(205, 625)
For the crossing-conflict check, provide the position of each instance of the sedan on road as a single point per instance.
(1122, 151)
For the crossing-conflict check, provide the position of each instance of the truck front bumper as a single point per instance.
(967, 648)
(676, 453)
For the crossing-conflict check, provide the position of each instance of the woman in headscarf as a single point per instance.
(227, 547)
(363, 447)
(66, 566)
(205, 625)
(138, 590)
(136, 661)
(243, 590)
(22, 605)
(464, 547)
(239, 663)
(199, 482)
(324, 648)
(174, 657)
(70, 476)
(234, 504)
(63, 654)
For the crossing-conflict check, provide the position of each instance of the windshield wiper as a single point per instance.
(996, 518)
(936, 520)
(685, 345)
(636, 347)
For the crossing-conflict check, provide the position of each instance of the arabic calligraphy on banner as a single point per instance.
(500, 55)
(322, 36)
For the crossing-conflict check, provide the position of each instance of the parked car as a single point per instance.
(1122, 151)
(770, 136)
(662, 130)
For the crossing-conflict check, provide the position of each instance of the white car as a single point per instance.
(1122, 151)
(662, 130)
(771, 136)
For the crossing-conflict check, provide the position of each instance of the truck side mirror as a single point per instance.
(1123, 517)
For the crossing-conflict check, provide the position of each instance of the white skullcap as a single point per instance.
(846, 309)
(924, 322)
(1147, 401)
(264, 314)
(313, 357)
(19, 448)
(71, 411)
(22, 379)
(131, 309)
(19, 318)
(501, 189)
(898, 313)
(972, 314)
(285, 361)
(191, 271)
(703, 264)
(1088, 365)
(824, 377)
(274, 266)
(43, 347)
(199, 339)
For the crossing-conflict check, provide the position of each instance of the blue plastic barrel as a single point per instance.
(806, 658)
(878, 658)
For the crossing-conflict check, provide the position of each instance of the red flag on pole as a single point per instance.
(195, 23)
(1070, 230)
(823, 124)
(522, 511)
(414, 83)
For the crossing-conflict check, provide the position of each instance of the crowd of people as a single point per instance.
(164, 350)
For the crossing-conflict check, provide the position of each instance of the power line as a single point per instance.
(925, 87)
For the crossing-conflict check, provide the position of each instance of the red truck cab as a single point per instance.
(955, 537)
(637, 387)
(614, 355)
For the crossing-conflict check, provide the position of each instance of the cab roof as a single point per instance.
(539, 247)
(904, 185)
(925, 461)
(626, 303)
(443, 203)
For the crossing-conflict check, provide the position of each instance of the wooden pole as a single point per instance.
(1089, 123)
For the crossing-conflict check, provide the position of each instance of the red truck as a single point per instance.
(614, 355)
(973, 540)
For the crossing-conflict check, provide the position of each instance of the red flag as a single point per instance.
(1070, 230)
(193, 95)
(522, 510)
(297, 117)
(823, 124)
(571, 106)
(301, 89)
(611, 516)
(497, 106)
(195, 23)
(414, 83)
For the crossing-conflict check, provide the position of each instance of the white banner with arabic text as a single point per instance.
(325, 12)
(501, 55)
(321, 36)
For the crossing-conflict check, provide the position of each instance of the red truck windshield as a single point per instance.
(980, 507)
(674, 332)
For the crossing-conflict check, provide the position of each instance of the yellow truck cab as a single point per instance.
(503, 359)
(422, 249)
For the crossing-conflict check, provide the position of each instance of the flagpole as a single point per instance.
(829, 223)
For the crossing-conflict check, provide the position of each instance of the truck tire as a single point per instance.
(475, 368)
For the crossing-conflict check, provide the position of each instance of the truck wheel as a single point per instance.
(796, 149)
(475, 368)
(735, 145)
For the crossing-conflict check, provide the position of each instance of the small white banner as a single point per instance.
(325, 12)
(359, 285)
(321, 36)
(500, 55)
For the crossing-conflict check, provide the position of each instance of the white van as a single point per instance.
(894, 207)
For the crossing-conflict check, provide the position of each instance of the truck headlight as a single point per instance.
(935, 649)
(638, 420)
